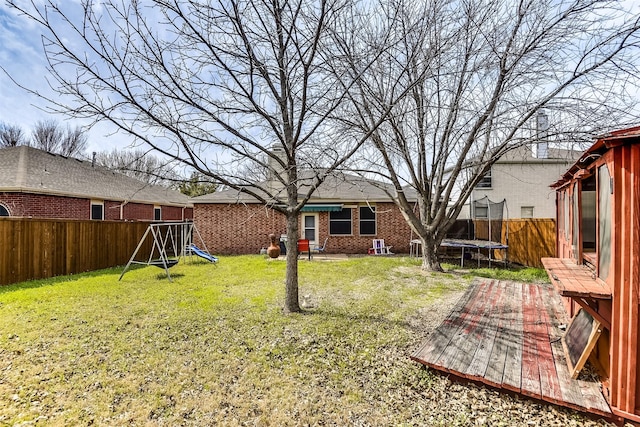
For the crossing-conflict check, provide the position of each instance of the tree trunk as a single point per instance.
(291, 304)
(430, 261)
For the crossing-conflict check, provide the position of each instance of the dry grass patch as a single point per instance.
(213, 348)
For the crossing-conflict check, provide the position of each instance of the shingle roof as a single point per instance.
(29, 170)
(338, 187)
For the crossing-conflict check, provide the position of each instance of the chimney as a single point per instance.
(542, 135)
(275, 168)
(93, 160)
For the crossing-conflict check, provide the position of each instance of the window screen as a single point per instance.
(340, 222)
(368, 220)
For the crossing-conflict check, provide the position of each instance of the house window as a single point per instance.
(367, 220)
(4, 211)
(97, 210)
(481, 212)
(157, 213)
(526, 212)
(340, 222)
(485, 182)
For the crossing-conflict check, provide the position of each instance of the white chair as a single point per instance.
(321, 249)
(379, 248)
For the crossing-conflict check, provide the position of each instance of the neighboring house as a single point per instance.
(598, 264)
(348, 210)
(34, 183)
(522, 179)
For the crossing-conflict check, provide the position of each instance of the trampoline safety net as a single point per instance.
(488, 217)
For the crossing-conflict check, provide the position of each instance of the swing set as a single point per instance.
(171, 241)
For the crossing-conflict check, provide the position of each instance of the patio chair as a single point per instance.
(321, 249)
(379, 248)
(303, 246)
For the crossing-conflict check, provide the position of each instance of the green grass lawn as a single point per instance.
(213, 347)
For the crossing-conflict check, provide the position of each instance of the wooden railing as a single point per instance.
(42, 248)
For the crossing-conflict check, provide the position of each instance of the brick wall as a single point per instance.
(172, 213)
(244, 229)
(237, 229)
(45, 206)
(48, 206)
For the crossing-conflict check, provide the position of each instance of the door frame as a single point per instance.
(316, 217)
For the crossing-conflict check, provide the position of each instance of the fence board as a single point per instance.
(530, 240)
(41, 248)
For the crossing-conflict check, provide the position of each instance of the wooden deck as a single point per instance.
(506, 335)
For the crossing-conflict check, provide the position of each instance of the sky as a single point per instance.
(22, 56)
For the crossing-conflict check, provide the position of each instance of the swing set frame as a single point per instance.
(176, 234)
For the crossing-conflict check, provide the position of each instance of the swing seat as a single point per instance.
(158, 263)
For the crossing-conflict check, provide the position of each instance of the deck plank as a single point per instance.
(512, 376)
(530, 366)
(506, 335)
(482, 356)
(440, 338)
(549, 383)
(462, 346)
(503, 338)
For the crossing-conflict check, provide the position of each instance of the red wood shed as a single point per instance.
(598, 250)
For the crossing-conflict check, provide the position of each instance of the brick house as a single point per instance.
(348, 210)
(34, 183)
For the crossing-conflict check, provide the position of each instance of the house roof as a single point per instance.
(603, 143)
(30, 170)
(338, 187)
(524, 154)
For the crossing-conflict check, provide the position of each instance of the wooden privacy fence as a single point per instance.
(42, 248)
(530, 240)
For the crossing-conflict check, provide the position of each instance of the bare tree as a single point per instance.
(478, 75)
(49, 136)
(230, 88)
(73, 142)
(11, 135)
(141, 165)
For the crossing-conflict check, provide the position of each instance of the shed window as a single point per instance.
(97, 210)
(340, 222)
(157, 213)
(565, 214)
(367, 220)
(604, 221)
(575, 227)
(4, 211)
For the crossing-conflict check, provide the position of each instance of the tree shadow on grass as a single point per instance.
(56, 280)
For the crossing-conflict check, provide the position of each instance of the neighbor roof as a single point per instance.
(29, 170)
(338, 187)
